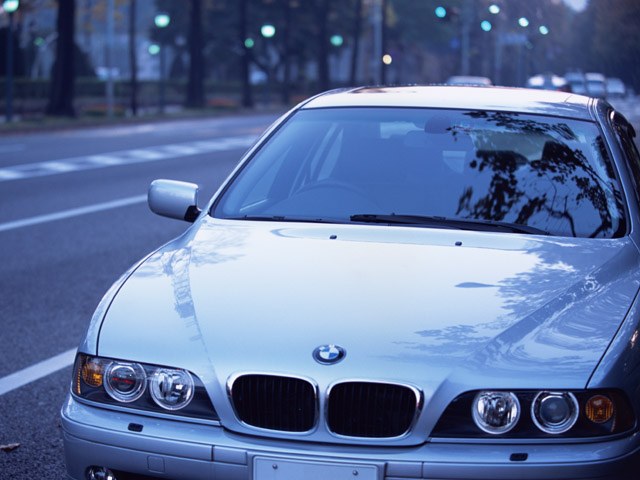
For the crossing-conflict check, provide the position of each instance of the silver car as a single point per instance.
(394, 283)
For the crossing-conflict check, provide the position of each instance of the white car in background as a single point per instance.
(596, 85)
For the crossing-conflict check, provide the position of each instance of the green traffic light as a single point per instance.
(441, 12)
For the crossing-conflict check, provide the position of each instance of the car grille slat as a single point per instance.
(275, 403)
(371, 410)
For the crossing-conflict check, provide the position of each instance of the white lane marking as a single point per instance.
(74, 212)
(123, 157)
(37, 371)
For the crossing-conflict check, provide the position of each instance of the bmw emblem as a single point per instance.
(329, 354)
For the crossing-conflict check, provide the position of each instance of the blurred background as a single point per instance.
(80, 58)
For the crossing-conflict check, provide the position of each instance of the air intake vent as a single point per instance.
(373, 410)
(275, 403)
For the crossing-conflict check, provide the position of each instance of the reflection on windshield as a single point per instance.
(551, 174)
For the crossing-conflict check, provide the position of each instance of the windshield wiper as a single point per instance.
(444, 222)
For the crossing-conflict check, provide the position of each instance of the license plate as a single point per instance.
(277, 469)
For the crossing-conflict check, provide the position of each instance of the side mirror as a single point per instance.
(174, 199)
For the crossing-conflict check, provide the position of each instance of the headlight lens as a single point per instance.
(125, 382)
(496, 412)
(555, 412)
(171, 389)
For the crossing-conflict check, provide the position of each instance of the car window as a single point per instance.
(549, 173)
(633, 157)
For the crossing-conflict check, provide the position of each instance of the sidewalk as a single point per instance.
(42, 123)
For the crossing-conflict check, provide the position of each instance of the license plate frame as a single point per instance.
(273, 468)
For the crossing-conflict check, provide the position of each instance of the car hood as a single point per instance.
(443, 310)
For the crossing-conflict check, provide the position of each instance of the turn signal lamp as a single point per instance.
(599, 409)
(92, 373)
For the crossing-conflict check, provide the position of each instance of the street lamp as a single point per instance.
(268, 31)
(10, 6)
(336, 40)
(162, 21)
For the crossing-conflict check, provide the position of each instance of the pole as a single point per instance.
(466, 30)
(376, 19)
(133, 61)
(109, 58)
(9, 81)
(497, 59)
(383, 41)
(163, 48)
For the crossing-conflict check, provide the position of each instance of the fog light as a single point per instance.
(554, 412)
(496, 412)
(599, 409)
(125, 382)
(100, 473)
(171, 389)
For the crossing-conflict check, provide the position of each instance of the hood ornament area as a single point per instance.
(329, 354)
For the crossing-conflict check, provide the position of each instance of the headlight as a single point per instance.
(496, 412)
(555, 412)
(151, 388)
(125, 382)
(171, 389)
(536, 414)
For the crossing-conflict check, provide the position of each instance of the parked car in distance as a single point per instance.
(469, 80)
(596, 85)
(394, 283)
(577, 82)
(548, 81)
(615, 88)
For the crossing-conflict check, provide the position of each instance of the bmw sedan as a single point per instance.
(394, 283)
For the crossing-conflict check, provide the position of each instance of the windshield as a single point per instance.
(342, 164)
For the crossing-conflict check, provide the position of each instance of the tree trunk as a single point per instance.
(132, 58)
(62, 87)
(323, 45)
(195, 87)
(286, 82)
(247, 96)
(357, 28)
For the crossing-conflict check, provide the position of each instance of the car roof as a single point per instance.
(458, 97)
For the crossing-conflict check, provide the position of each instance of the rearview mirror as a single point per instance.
(174, 199)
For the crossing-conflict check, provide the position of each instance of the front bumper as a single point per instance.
(172, 449)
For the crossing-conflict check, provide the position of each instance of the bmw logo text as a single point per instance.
(329, 354)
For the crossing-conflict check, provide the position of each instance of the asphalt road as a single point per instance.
(64, 239)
